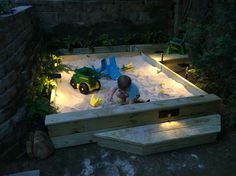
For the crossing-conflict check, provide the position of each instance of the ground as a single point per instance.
(87, 160)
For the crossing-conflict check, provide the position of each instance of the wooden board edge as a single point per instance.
(186, 121)
(76, 139)
(216, 125)
(69, 117)
(132, 119)
(191, 87)
(176, 145)
(147, 150)
(138, 150)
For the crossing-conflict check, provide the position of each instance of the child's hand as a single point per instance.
(111, 93)
(110, 99)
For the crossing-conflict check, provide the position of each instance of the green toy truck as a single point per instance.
(86, 80)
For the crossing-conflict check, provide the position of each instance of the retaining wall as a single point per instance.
(18, 46)
(89, 12)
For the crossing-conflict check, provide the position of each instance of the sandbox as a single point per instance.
(153, 84)
(172, 98)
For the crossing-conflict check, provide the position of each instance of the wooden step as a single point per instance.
(76, 128)
(161, 137)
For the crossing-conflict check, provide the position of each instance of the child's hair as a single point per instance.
(124, 82)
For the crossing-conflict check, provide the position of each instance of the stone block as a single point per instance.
(10, 79)
(14, 46)
(2, 71)
(19, 115)
(48, 19)
(2, 87)
(13, 29)
(5, 128)
(69, 18)
(7, 141)
(8, 126)
(7, 96)
(3, 55)
(53, 6)
(8, 111)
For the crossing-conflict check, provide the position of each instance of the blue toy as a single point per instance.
(110, 70)
(113, 70)
(103, 66)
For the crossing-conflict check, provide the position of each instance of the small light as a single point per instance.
(53, 96)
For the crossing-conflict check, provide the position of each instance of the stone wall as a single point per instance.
(88, 12)
(17, 49)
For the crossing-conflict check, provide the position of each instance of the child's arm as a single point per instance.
(133, 94)
(112, 92)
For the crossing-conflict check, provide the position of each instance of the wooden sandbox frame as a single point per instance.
(75, 128)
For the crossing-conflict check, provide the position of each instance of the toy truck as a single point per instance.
(86, 80)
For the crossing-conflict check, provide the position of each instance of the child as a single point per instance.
(127, 91)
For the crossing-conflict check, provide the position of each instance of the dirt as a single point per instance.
(211, 159)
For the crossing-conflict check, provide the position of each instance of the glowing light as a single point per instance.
(171, 125)
(53, 96)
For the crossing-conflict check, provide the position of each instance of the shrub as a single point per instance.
(105, 40)
(38, 95)
(5, 5)
(213, 50)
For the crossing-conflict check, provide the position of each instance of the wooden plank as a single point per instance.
(72, 140)
(178, 144)
(156, 133)
(149, 48)
(116, 145)
(128, 115)
(76, 139)
(5, 128)
(67, 58)
(122, 121)
(114, 49)
(169, 58)
(97, 50)
(133, 108)
(102, 123)
(147, 150)
(87, 137)
(188, 85)
(109, 122)
(154, 138)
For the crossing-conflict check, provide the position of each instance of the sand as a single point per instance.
(152, 85)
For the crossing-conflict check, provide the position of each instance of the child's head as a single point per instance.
(124, 82)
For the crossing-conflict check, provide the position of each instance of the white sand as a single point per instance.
(152, 85)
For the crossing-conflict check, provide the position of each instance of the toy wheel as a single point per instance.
(84, 88)
(73, 83)
(98, 84)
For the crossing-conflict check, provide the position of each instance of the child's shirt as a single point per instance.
(132, 92)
